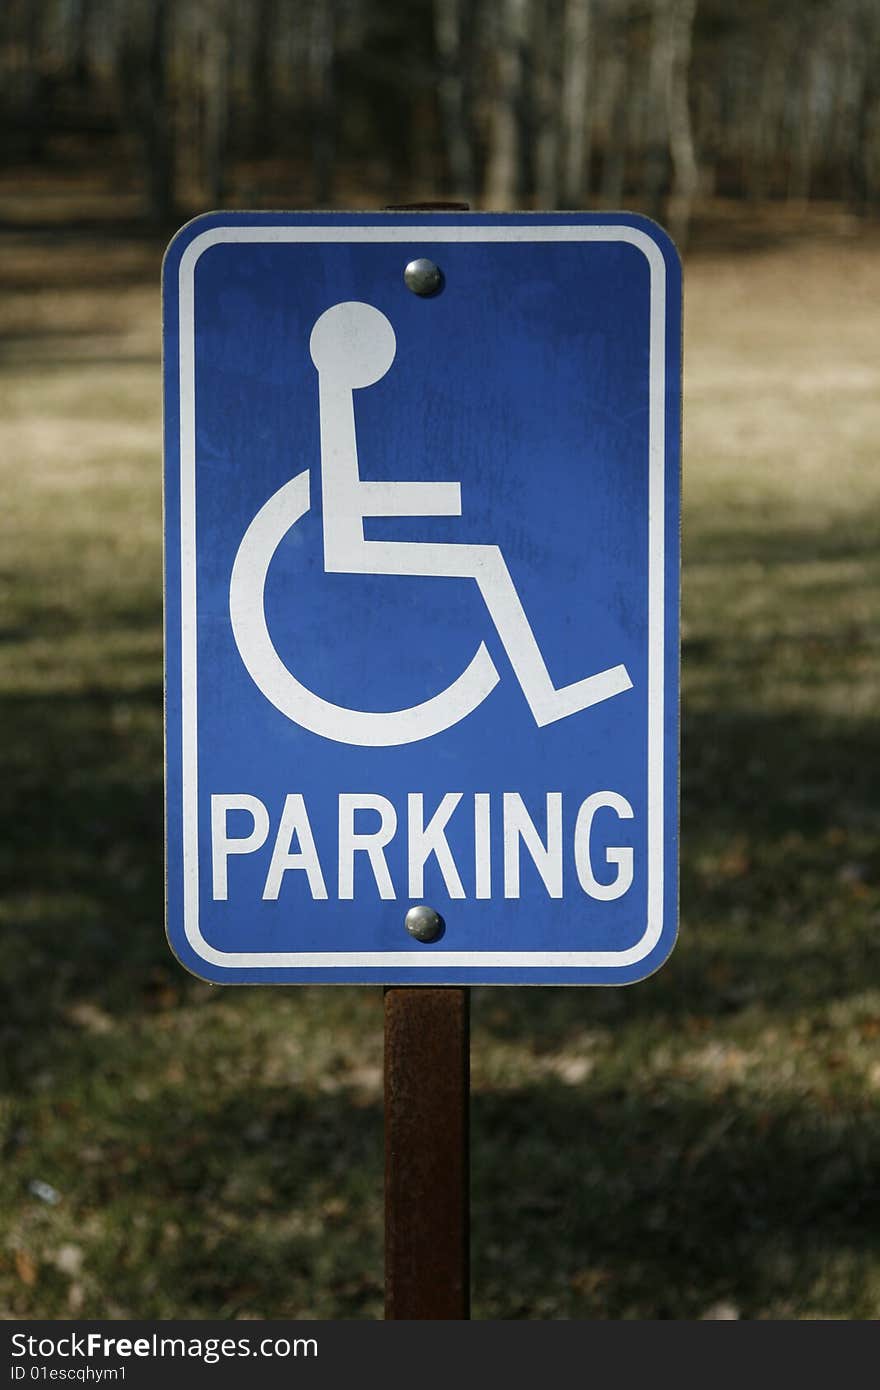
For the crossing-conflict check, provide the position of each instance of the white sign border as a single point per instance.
(408, 232)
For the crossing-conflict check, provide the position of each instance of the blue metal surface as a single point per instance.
(545, 379)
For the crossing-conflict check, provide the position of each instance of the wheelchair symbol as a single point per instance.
(353, 346)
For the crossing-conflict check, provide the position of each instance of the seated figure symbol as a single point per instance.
(353, 346)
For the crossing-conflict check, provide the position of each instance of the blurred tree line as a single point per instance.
(502, 103)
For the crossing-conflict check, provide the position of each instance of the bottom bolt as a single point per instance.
(423, 923)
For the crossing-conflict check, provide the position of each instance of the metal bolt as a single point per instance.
(423, 276)
(424, 923)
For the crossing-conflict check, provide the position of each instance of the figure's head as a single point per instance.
(353, 343)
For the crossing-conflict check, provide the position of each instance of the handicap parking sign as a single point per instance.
(422, 577)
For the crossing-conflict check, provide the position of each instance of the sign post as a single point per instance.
(426, 1153)
(422, 580)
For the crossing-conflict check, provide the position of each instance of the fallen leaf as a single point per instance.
(25, 1268)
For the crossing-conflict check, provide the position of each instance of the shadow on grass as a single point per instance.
(108, 229)
(214, 1193)
(81, 832)
(220, 1202)
(588, 1202)
(591, 1202)
(783, 545)
(741, 227)
(62, 359)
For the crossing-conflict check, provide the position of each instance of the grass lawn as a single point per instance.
(706, 1143)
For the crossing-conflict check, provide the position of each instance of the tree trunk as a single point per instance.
(546, 42)
(506, 175)
(455, 98)
(157, 123)
(576, 111)
(79, 18)
(145, 89)
(612, 115)
(215, 133)
(861, 164)
(656, 133)
(670, 159)
(261, 93)
(322, 54)
(33, 86)
(803, 134)
(685, 174)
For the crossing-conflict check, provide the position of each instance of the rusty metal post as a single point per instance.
(427, 1198)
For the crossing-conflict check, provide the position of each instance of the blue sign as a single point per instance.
(422, 577)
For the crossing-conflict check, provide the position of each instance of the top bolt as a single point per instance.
(423, 277)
